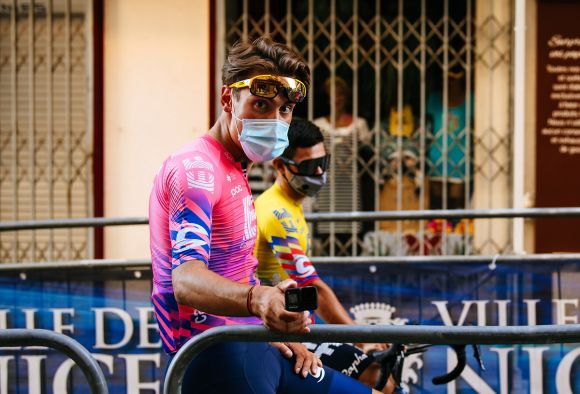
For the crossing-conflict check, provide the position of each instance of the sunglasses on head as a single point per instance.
(308, 167)
(268, 86)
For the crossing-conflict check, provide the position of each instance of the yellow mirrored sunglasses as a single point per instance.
(268, 86)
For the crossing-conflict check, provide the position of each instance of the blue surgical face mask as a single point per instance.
(263, 139)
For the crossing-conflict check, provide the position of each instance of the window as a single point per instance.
(407, 94)
(46, 132)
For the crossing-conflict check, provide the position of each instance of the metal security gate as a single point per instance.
(46, 136)
(414, 100)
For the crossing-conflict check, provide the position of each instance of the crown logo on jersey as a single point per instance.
(376, 313)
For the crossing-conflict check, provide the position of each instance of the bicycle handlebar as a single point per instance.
(390, 359)
(386, 366)
(457, 370)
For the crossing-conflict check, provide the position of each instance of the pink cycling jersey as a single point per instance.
(201, 208)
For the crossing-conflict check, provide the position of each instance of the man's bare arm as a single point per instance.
(196, 286)
(329, 307)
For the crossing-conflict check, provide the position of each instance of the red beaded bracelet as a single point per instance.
(249, 300)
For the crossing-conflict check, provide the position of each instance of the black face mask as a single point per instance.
(308, 186)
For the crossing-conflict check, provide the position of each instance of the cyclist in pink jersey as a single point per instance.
(203, 231)
(199, 190)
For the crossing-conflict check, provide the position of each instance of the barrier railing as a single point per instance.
(317, 217)
(62, 343)
(444, 214)
(492, 260)
(437, 335)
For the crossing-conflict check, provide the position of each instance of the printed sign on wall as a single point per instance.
(558, 123)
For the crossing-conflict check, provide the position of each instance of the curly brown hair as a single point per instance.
(263, 56)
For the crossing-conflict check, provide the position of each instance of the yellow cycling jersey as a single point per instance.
(283, 241)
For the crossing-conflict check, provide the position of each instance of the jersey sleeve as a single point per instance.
(280, 231)
(193, 192)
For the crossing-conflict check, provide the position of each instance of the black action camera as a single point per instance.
(300, 299)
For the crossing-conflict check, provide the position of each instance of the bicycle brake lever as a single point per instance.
(380, 355)
(398, 367)
(386, 359)
(416, 349)
(391, 361)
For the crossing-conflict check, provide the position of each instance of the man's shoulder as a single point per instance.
(270, 206)
(265, 197)
(198, 155)
(196, 164)
(271, 198)
(265, 202)
(199, 148)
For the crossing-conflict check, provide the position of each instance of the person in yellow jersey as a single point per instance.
(283, 243)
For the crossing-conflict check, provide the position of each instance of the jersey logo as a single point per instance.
(301, 267)
(200, 179)
(249, 219)
(199, 317)
(354, 366)
(289, 226)
(320, 349)
(283, 214)
(197, 162)
(319, 374)
(235, 190)
(182, 243)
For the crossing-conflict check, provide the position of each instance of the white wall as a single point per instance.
(156, 99)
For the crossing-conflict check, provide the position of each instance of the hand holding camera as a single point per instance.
(300, 299)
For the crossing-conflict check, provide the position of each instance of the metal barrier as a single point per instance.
(437, 335)
(444, 214)
(71, 223)
(317, 217)
(493, 260)
(67, 345)
(74, 264)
